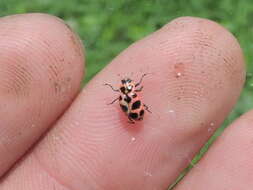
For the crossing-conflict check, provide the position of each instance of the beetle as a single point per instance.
(129, 100)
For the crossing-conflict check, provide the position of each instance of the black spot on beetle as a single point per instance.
(124, 108)
(136, 105)
(127, 99)
(122, 89)
(134, 95)
(133, 115)
(141, 113)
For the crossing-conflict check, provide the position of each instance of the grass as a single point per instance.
(117, 24)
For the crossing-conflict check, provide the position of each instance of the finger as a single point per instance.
(198, 73)
(41, 66)
(228, 164)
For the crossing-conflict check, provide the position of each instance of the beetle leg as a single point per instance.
(140, 89)
(146, 108)
(115, 90)
(141, 80)
(113, 101)
(130, 120)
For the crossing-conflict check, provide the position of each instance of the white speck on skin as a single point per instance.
(33, 125)
(133, 139)
(148, 174)
(171, 111)
(210, 129)
(179, 74)
(56, 137)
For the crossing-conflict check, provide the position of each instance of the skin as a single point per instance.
(55, 136)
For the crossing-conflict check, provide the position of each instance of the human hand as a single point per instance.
(198, 71)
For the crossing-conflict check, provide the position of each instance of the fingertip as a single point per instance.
(41, 69)
(228, 163)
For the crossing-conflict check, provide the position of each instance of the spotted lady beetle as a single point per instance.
(129, 101)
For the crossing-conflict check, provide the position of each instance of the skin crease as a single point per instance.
(197, 74)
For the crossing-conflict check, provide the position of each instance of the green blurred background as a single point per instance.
(109, 26)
